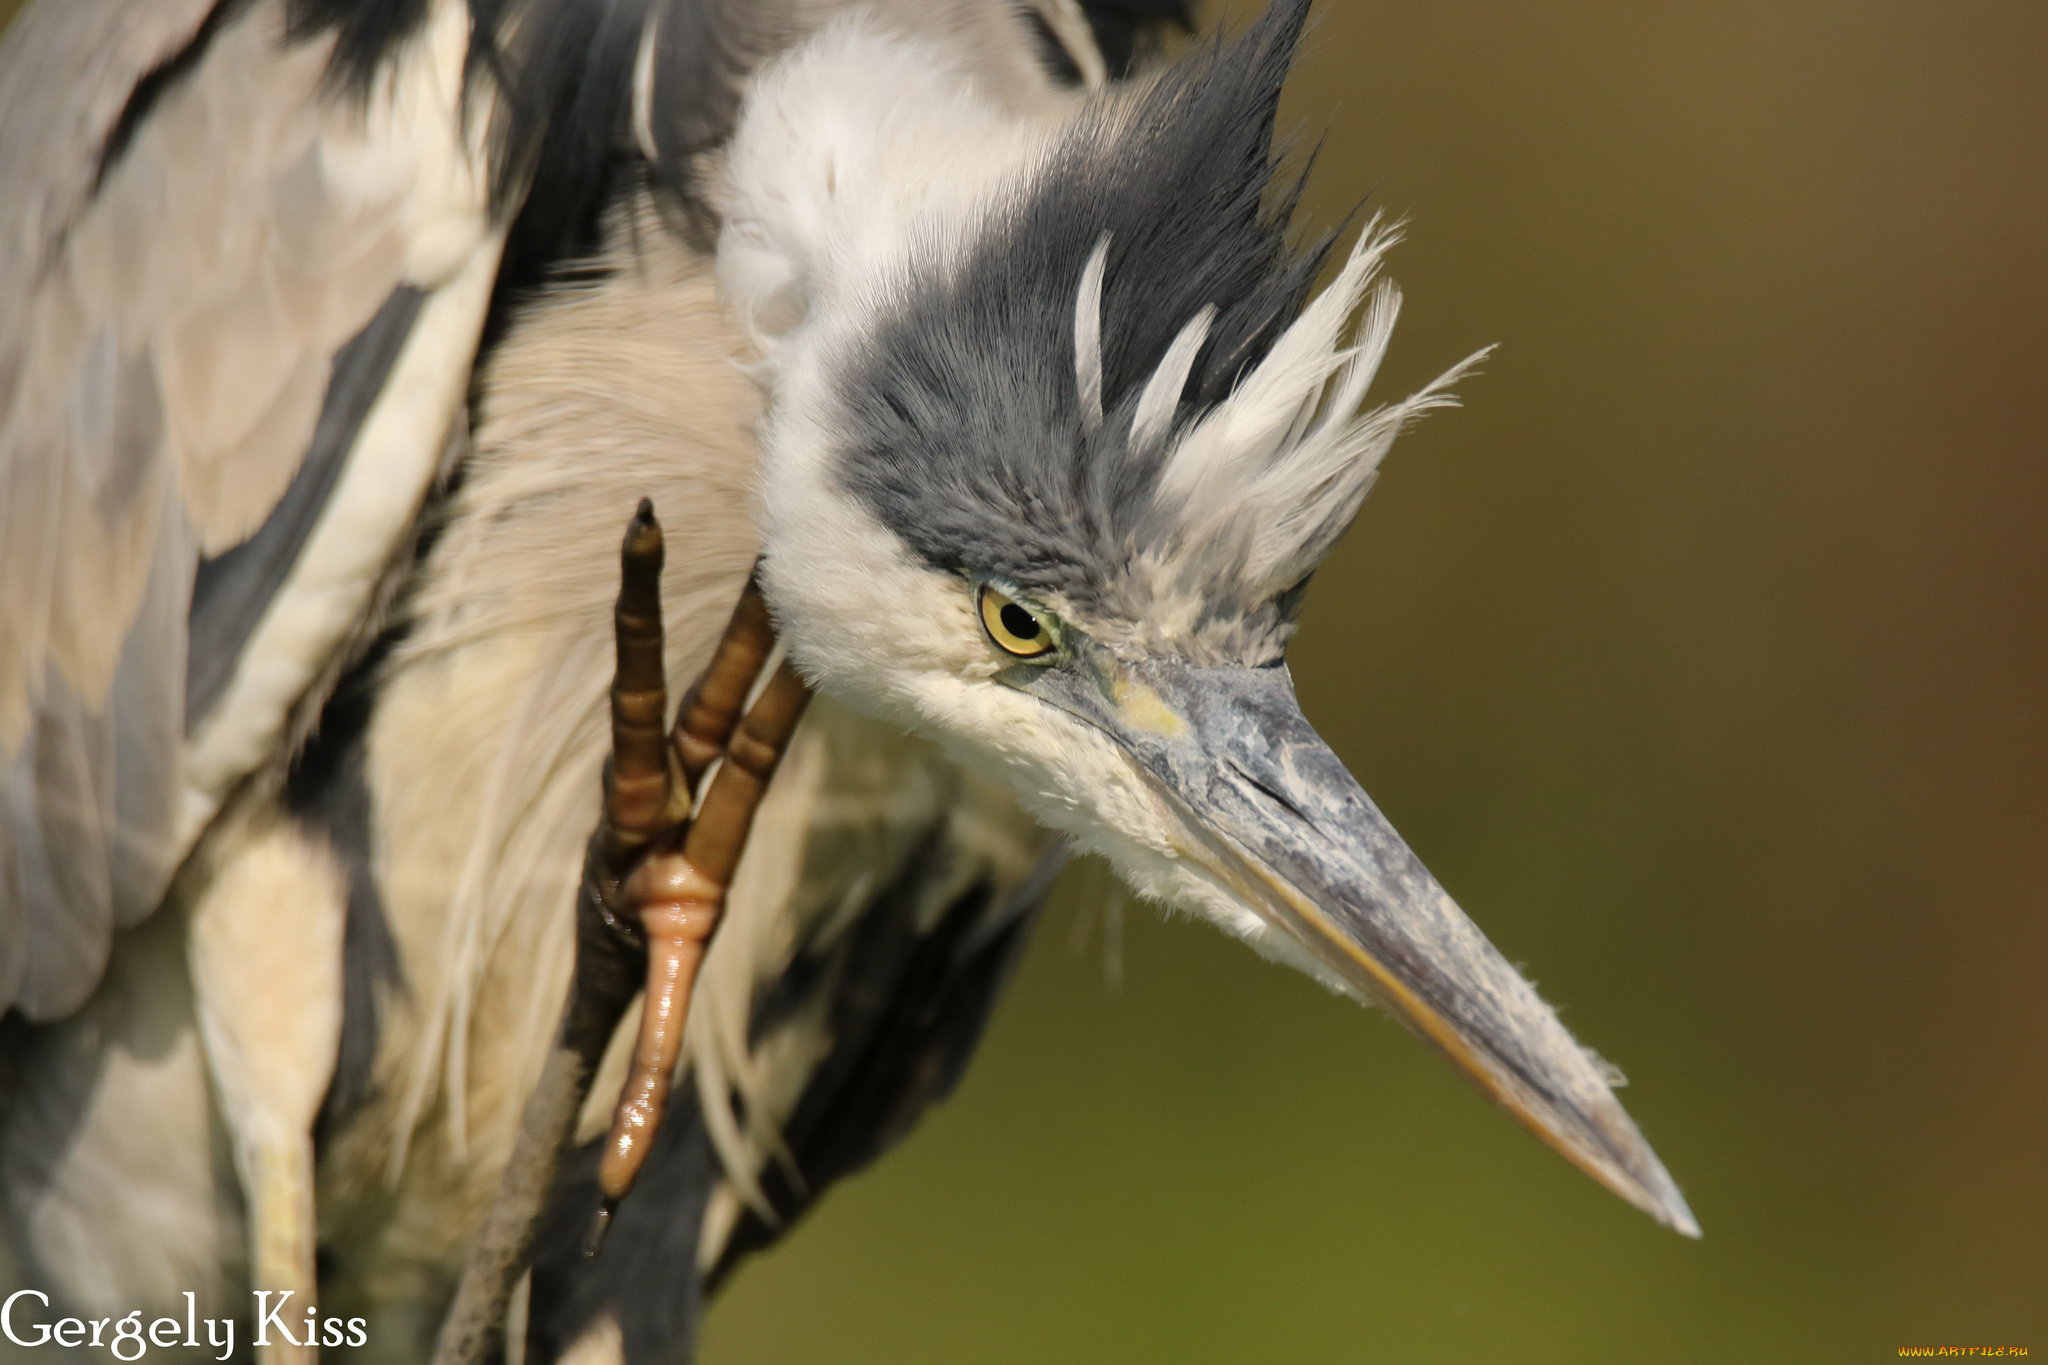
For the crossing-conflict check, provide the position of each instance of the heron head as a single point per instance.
(1057, 433)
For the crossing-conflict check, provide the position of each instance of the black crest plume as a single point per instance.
(1186, 191)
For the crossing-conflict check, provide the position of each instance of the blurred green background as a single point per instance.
(1704, 656)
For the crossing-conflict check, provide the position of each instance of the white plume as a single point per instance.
(1280, 467)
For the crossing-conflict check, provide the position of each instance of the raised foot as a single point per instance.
(662, 874)
(653, 888)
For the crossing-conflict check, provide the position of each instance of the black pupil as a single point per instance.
(1019, 622)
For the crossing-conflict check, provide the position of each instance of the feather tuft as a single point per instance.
(1088, 336)
(1153, 417)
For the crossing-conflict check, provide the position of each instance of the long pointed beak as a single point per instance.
(1271, 814)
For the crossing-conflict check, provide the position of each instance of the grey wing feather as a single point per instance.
(233, 588)
(102, 779)
(172, 312)
(92, 53)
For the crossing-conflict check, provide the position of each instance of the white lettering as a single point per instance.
(74, 1328)
(156, 1332)
(358, 1331)
(128, 1331)
(267, 1317)
(7, 1317)
(191, 1318)
(227, 1348)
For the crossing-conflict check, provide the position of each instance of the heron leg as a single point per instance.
(653, 886)
(675, 889)
(265, 951)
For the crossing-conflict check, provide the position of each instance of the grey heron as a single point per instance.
(337, 341)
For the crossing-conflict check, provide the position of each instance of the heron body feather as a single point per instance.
(359, 186)
(487, 740)
(187, 306)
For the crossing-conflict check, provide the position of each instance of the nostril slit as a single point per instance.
(1276, 797)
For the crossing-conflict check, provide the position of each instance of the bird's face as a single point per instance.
(1049, 491)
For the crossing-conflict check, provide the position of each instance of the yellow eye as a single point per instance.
(1015, 629)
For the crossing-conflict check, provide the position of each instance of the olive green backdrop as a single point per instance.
(1704, 656)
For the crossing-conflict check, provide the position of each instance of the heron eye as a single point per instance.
(1013, 626)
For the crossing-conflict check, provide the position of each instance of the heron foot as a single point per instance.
(678, 805)
(663, 870)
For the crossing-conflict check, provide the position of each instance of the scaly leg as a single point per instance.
(654, 882)
(676, 877)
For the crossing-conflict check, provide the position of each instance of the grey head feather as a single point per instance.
(971, 432)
